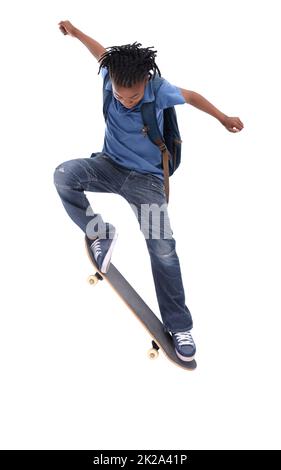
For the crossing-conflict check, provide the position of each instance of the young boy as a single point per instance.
(131, 165)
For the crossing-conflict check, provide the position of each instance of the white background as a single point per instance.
(74, 370)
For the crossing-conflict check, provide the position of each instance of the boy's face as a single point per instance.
(129, 97)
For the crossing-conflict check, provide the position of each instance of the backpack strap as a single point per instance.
(151, 128)
(107, 95)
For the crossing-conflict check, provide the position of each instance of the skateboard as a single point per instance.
(160, 339)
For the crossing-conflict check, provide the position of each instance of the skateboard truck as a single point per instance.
(93, 279)
(153, 352)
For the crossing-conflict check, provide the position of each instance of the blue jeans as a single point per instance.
(143, 192)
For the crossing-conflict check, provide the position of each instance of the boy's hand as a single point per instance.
(232, 124)
(67, 28)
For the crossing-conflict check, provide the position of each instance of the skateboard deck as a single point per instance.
(154, 326)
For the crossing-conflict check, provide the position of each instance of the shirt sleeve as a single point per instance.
(103, 72)
(168, 95)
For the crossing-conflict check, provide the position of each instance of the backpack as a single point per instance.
(169, 143)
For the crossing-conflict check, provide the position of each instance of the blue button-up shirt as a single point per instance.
(124, 140)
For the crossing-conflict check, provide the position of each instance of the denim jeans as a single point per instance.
(98, 173)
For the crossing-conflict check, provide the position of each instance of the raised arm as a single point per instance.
(94, 47)
(232, 124)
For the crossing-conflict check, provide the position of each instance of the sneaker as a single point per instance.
(102, 248)
(184, 345)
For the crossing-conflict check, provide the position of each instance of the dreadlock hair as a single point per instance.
(129, 64)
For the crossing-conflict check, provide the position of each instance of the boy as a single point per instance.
(130, 165)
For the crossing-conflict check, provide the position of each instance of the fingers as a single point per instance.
(234, 124)
(62, 28)
(233, 127)
(239, 123)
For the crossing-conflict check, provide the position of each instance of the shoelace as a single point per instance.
(97, 248)
(184, 338)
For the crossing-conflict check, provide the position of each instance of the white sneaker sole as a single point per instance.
(185, 358)
(106, 261)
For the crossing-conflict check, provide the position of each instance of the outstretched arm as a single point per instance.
(94, 46)
(232, 124)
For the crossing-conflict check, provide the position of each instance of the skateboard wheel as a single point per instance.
(93, 280)
(152, 353)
